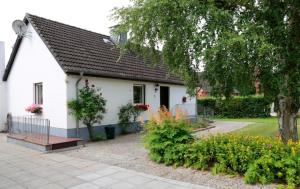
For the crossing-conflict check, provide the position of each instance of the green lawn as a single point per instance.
(260, 126)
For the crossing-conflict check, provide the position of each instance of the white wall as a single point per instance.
(119, 92)
(2, 88)
(33, 64)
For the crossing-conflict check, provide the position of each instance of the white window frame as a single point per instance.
(38, 93)
(143, 100)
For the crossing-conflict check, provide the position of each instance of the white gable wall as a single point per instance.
(119, 92)
(34, 63)
(2, 88)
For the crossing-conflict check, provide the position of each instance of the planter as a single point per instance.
(110, 132)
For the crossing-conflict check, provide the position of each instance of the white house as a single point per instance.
(46, 65)
(2, 88)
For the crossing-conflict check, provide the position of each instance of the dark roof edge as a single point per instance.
(13, 55)
(11, 58)
(126, 78)
(18, 43)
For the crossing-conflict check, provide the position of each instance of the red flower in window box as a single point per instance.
(34, 108)
(143, 107)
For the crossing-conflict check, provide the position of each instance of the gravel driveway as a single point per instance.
(223, 127)
(127, 152)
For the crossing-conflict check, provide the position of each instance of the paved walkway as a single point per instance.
(21, 167)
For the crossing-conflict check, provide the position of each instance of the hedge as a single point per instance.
(236, 107)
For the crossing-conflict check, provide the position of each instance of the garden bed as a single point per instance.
(259, 159)
(203, 128)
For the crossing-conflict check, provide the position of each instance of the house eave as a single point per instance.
(107, 75)
(13, 55)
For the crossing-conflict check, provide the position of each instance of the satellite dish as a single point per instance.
(19, 27)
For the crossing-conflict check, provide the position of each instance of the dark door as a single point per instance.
(164, 96)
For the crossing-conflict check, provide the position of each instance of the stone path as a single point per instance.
(223, 127)
(21, 167)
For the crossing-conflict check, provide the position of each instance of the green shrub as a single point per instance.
(258, 159)
(89, 107)
(236, 107)
(167, 138)
(128, 114)
(99, 137)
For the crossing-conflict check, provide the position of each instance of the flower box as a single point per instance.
(35, 109)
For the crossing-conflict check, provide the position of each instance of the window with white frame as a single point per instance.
(38, 93)
(139, 94)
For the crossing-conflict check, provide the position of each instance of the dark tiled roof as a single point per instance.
(78, 50)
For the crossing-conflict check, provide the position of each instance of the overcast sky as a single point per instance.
(88, 14)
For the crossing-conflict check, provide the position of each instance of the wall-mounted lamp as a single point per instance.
(156, 87)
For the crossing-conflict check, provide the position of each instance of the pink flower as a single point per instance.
(34, 108)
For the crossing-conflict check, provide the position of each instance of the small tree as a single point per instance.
(238, 42)
(89, 107)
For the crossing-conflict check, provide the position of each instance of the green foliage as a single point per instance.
(98, 137)
(200, 123)
(128, 114)
(237, 107)
(260, 159)
(238, 42)
(89, 107)
(167, 140)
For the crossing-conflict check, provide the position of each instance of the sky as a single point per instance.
(87, 14)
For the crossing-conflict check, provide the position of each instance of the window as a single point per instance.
(38, 93)
(139, 94)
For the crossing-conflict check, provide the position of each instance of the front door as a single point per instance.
(164, 96)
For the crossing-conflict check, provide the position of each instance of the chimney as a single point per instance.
(118, 37)
(2, 88)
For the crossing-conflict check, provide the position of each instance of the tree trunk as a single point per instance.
(196, 105)
(287, 120)
(90, 130)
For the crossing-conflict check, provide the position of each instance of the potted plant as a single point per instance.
(35, 109)
(128, 115)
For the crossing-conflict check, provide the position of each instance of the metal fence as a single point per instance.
(188, 108)
(206, 112)
(30, 128)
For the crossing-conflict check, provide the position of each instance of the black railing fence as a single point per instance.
(35, 128)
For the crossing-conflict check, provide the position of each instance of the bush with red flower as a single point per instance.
(35, 108)
(129, 113)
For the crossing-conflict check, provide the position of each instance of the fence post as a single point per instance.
(48, 131)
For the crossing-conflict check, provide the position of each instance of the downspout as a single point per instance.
(77, 121)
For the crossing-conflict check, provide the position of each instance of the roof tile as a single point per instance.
(77, 49)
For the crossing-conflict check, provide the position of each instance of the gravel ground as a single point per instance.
(127, 152)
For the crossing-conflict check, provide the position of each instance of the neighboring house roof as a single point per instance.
(78, 50)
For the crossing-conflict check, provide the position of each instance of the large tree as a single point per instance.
(237, 41)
